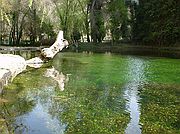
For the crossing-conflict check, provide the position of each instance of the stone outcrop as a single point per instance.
(49, 53)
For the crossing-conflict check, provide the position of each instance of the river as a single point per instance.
(94, 94)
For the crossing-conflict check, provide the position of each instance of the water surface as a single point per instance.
(94, 93)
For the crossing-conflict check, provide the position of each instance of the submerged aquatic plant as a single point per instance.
(160, 109)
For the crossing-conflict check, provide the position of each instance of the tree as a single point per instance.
(23, 20)
(118, 18)
(85, 8)
(158, 22)
(96, 20)
(5, 8)
(31, 19)
(65, 12)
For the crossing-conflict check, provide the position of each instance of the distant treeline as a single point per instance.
(154, 22)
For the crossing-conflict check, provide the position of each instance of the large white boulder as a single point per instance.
(36, 62)
(10, 66)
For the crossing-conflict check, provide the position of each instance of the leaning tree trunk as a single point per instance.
(49, 53)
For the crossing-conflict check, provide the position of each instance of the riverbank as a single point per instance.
(129, 49)
(121, 48)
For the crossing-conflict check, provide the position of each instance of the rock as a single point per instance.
(14, 63)
(35, 62)
(5, 77)
(47, 53)
(10, 66)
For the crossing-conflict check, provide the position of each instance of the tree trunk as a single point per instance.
(87, 24)
(96, 20)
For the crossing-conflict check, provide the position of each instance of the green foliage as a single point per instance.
(118, 16)
(71, 15)
(97, 26)
(30, 3)
(47, 28)
(22, 20)
(76, 35)
(157, 22)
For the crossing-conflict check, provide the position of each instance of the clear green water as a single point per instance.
(94, 94)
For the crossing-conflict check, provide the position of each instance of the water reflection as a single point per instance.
(42, 118)
(136, 80)
(9, 110)
(36, 108)
(27, 54)
(59, 77)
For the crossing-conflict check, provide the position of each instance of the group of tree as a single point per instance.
(91, 19)
(155, 22)
(24, 20)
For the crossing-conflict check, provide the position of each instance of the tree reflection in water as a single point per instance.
(59, 77)
(11, 109)
(44, 118)
(18, 112)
